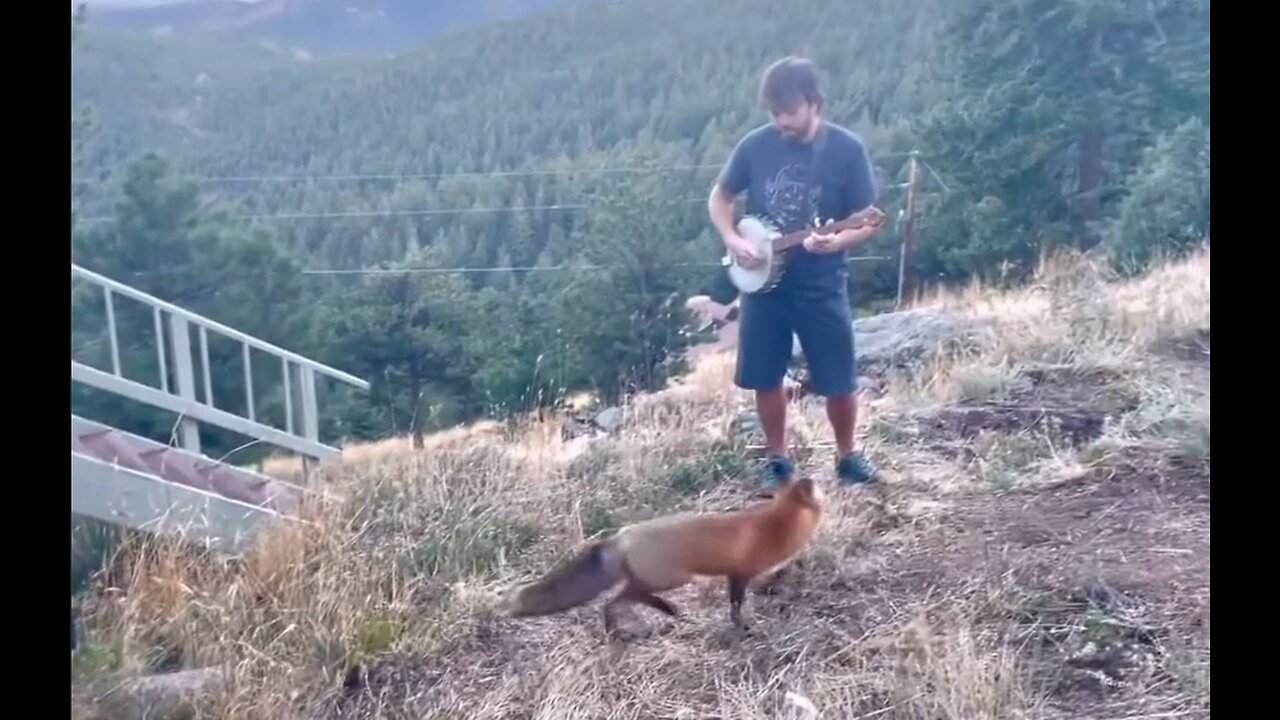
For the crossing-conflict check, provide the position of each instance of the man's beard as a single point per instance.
(796, 135)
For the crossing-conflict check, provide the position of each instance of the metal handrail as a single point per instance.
(198, 319)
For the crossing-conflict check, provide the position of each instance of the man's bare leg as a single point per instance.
(842, 412)
(851, 466)
(771, 407)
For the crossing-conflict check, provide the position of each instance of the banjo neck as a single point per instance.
(871, 216)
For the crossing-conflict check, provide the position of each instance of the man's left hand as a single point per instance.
(823, 243)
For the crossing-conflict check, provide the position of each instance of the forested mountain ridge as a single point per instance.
(577, 88)
(318, 27)
(520, 143)
(148, 93)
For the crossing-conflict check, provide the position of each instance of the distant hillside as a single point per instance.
(674, 79)
(151, 91)
(319, 26)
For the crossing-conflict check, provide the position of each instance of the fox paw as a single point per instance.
(732, 634)
(767, 589)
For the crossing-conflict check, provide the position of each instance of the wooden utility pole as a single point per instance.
(906, 282)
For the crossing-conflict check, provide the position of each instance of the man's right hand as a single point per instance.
(743, 252)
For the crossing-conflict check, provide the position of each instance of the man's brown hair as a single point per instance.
(789, 82)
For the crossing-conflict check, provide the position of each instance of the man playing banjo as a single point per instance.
(773, 164)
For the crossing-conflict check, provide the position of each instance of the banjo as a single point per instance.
(774, 247)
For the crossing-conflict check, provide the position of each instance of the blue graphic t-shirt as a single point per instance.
(772, 169)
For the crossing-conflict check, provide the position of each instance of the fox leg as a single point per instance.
(632, 593)
(737, 594)
(611, 609)
(641, 587)
(658, 603)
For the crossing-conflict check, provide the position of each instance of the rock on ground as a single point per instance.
(609, 419)
(898, 338)
(153, 696)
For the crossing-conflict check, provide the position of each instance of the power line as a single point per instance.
(526, 268)
(359, 177)
(430, 176)
(393, 213)
(935, 175)
(426, 212)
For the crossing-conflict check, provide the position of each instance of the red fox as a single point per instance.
(665, 553)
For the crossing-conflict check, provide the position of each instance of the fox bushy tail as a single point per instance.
(575, 581)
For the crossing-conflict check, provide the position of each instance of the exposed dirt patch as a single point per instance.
(1067, 405)
(1134, 470)
(1113, 568)
(967, 422)
(1101, 389)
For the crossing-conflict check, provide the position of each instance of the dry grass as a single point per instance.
(965, 587)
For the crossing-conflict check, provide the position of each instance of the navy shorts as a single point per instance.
(822, 323)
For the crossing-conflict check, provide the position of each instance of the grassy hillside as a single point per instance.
(1007, 568)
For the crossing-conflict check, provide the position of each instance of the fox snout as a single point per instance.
(812, 490)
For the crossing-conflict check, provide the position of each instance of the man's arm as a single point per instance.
(720, 208)
(733, 179)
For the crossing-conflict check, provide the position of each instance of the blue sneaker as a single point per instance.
(778, 470)
(854, 469)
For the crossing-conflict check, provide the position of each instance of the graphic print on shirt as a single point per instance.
(784, 199)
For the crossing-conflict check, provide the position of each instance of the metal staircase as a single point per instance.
(129, 480)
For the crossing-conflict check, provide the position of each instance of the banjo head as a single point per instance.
(760, 235)
(756, 230)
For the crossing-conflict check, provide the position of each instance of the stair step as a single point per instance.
(101, 445)
(183, 468)
(178, 468)
(119, 495)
